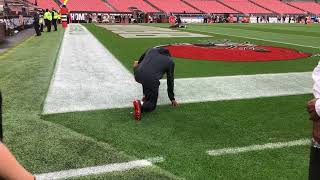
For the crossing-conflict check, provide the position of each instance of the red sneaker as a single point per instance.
(137, 110)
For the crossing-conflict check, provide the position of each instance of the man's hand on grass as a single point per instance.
(174, 103)
(313, 116)
(311, 108)
(135, 64)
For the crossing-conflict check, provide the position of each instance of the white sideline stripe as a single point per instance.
(115, 167)
(278, 145)
(258, 39)
(87, 76)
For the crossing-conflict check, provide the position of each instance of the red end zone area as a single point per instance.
(258, 53)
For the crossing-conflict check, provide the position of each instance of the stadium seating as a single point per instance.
(209, 6)
(279, 7)
(124, 5)
(45, 4)
(188, 6)
(245, 7)
(311, 7)
(173, 6)
(88, 6)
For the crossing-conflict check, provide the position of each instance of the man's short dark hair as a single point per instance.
(164, 51)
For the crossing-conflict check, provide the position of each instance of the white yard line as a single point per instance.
(239, 87)
(138, 31)
(108, 168)
(278, 145)
(88, 77)
(247, 37)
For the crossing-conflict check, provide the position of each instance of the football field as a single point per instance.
(68, 94)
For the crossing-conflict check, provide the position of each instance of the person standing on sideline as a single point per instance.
(313, 108)
(41, 19)
(55, 18)
(36, 18)
(150, 68)
(48, 19)
(64, 12)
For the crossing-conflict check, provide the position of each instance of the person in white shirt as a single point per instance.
(313, 108)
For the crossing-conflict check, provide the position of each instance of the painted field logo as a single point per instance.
(76, 30)
(230, 51)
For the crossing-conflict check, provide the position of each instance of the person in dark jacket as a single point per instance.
(55, 17)
(150, 68)
(36, 18)
(41, 21)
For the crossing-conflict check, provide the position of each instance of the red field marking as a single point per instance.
(234, 54)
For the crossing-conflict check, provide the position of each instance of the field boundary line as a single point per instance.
(277, 145)
(258, 39)
(94, 170)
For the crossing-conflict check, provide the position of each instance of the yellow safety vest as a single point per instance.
(55, 15)
(48, 16)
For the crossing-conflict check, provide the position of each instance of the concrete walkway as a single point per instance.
(89, 77)
(12, 41)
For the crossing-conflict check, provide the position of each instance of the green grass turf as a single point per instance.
(304, 32)
(41, 146)
(126, 50)
(182, 135)
(297, 27)
(268, 34)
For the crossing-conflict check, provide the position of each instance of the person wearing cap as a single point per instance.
(313, 108)
(150, 68)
